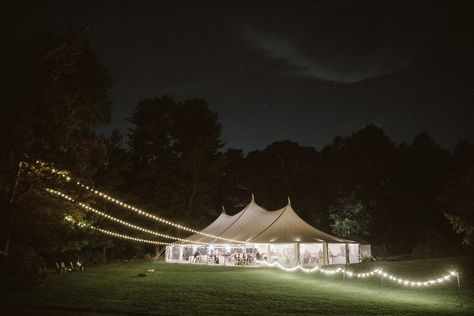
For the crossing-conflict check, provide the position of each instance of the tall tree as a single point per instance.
(176, 163)
(358, 170)
(54, 93)
(457, 195)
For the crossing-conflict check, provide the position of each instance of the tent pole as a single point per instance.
(298, 256)
(325, 254)
(348, 261)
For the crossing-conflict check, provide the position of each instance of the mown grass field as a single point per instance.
(201, 289)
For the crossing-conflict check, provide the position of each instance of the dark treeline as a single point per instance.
(414, 198)
(402, 198)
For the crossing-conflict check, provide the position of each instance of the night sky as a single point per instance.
(300, 70)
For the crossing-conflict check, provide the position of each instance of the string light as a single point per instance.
(364, 275)
(70, 219)
(114, 234)
(117, 220)
(68, 178)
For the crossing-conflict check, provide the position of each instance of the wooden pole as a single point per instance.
(459, 289)
(347, 254)
(325, 254)
(298, 256)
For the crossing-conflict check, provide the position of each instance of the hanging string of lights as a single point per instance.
(377, 272)
(114, 234)
(117, 220)
(68, 218)
(65, 175)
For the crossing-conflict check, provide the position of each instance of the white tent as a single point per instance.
(279, 235)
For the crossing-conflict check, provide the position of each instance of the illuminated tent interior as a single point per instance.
(255, 234)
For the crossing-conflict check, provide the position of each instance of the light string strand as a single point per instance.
(114, 234)
(117, 220)
(66, 176)
(376, 272)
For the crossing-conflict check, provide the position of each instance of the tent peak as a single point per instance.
(289, 201)
(223, 210)
(253, 198)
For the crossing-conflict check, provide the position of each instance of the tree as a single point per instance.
(54, 93)
(176, 164)
(348, 216)
(421, 171)
(234, 191)
(281, 170)
(359, 169)
(457, 195)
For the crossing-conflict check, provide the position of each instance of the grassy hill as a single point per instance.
(201, 289)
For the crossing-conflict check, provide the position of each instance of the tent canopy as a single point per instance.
(256, 225)
(288, 227)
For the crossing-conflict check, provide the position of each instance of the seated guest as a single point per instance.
(79, 266)
(63, 267)
(306, 256)
(197, 257)
(249, 258)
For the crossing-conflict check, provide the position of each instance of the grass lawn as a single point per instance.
(201, 289)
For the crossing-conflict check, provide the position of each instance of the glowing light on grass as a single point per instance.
(377, 272)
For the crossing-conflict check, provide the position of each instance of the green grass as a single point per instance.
(201, 289)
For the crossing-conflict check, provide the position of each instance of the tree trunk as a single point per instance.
(7, 241)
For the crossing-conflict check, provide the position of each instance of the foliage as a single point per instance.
(462, 226)
(175, 160)
(348, 216)
(458, 195)
(54, 93)
(27, 268)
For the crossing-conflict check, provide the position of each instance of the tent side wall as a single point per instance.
(354, 253)
(311, 254)
(285, 254)
(365, 252)
(167, 253)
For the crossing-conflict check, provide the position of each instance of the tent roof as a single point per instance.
(216, 228)
(251, 223)
(256, 225)
(288, 227)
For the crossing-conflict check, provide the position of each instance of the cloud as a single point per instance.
(342, 68)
